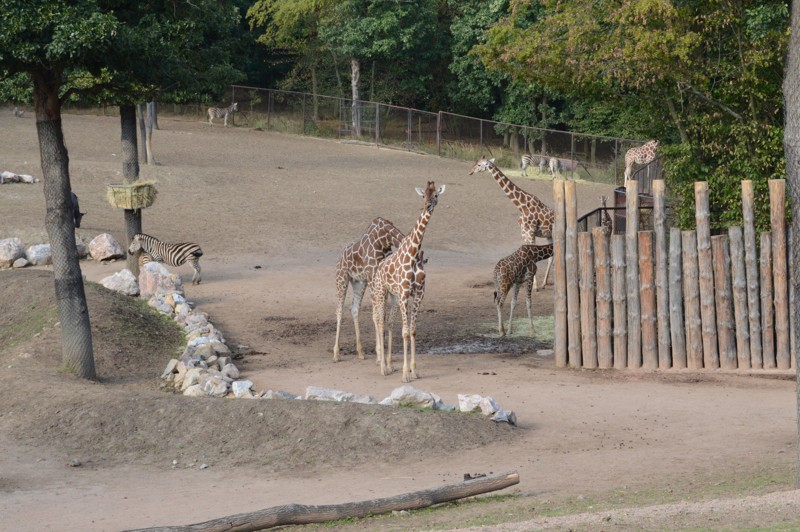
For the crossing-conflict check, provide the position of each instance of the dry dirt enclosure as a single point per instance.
(272, 212)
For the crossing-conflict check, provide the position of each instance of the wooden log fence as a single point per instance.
(672, 299)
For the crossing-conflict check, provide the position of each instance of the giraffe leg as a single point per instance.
(499, 303)
(513, 304)
(404, 315)
(392, 314)
(546, 274)
(377, 319)
(341, 292)
(413, 333)
(528, 289)
(358, 295)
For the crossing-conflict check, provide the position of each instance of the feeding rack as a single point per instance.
(132, 196)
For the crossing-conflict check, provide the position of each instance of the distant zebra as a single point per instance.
(172, 254)
(531, 160)
(220, 112)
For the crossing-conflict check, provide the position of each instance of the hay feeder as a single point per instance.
(132, 196)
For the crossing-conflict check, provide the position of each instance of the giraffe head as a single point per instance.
(603, 200)
(482, 165)
(431, 195)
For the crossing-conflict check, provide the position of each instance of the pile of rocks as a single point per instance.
(11, 177)
(13, 253)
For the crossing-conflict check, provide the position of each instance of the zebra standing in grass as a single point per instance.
(173, 254)
(220, 112)
(529, 159)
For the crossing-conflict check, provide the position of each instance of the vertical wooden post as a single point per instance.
(691, 301)
(662, 288)
(767, 310)
(751, 267)
(647, 296)
(588, 323)
(792, 295)
(571, 262)
(605, 358)
(706, 277)
(739, 285)
(676, 320)
(559, 282)
(777, 203)
(632, 274)
(620, 301)
(723, 301)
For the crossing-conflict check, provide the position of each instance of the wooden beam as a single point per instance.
(560, 272)
(605, 355)
(677, 327)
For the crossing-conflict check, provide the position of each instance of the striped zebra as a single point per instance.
(154, 250)
(220, 112)
(529, 160)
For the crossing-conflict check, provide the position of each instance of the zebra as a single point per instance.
(220, 112)
(154, 250)
(529, 159)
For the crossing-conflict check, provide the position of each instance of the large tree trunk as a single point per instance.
(791, 145)
(148, 123)
(355, 70)
(130, 173)
(76, 331)
(142, 111)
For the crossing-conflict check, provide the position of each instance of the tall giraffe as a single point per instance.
(513, 271)
(644, 154)
(355, 268)
(535, 218)
(399, 277)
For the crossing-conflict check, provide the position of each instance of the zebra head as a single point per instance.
(136, 244)
(482, 165)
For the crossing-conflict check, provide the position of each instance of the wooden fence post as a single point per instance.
(723, 300)
(559, 273)
(691, 301)
(632, 274)
(753, 281)
(571, 261)
(588, 322)
(662, 288)
(739, 284)
(767, 310)
(647, 295)
(605, 358)
(706, 277)
(676, 320)
(620, 302)
(777, 202)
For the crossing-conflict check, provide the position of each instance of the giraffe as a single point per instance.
(355, 268)
(513, 271)
(400, 277)
(644, 154)
(535, 218)
(605, 219)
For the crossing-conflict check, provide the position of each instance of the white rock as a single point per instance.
(25, 178)
(326, 394)
(182, 309)
(105, 247)
(39, 254)
(195, 390)
(20, 263)
(81, 247)
(123, 281)
(489, 406)
(154, 278)
(269, 394)
(172, 367)
(505, 416)
(469, 403)
(230, 370)
(214, 385)
(365, 399)
(409, 396)
(11, 249)
(158, 303)
(191, 378)
(8, 177)
(242, 388)
(386, 402)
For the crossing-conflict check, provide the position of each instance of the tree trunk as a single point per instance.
(150, 118)
(314, 96)
(142, 129)
(571, 262)
(76, 332)
(560, 337)
(705, 274)
(155, 114)
(605, 355)
(130, 173)
(632, 274)
(791, 146)
(753, 279)
(355, 74)
(677, 328)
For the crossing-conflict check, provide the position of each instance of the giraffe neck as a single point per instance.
(411, 244)
(517, 196)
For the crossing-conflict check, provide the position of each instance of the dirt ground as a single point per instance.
(612, 450)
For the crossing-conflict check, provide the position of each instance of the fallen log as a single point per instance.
(301, 514)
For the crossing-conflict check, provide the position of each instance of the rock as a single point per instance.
(223, 361)
(195, 391)
(230, 370)
(191, 378)
(489, 406)
(105, 247)
(220, 349)
(505, 416)
(81, 247)
(386, 402)
(154, 278)
(214, 385)
(326, 394)
(545, 352)
(409, 396)
(269, 394)
(11, 249)
(158, 303)
(469, 403)
(39, 254)
(123, 281)
(205, 352)
(172, 367)
(242, 388)
(20, 263)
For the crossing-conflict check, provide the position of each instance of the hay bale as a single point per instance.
(137, 195)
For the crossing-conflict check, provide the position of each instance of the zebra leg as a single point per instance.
(196, 266)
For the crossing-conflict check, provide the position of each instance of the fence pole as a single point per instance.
(377, 124)
(559, 272)
(632, 274)
(676, 320)
(662, 289)
(777, 202)
(620, 302)
(739, 285)
(691, 301)
(605, 358)
(750, 254)
(269, 108)
(587, 293)
(439, 134)
(767, 313)
(304, 113)
(706, 277)
(723, 301)
(571, 261)
(647, 296)
(481, 130)
(233, 100)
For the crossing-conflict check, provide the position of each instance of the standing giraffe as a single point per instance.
(644, 154)
(399, 277)
(355, 268)
(605, 218)
(513, 271)
(535, 218)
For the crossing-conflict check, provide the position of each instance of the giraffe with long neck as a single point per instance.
(512, 272)
(536, 219)
(356, 267)
(401, 278)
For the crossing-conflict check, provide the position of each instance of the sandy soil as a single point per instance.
(272, 212)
